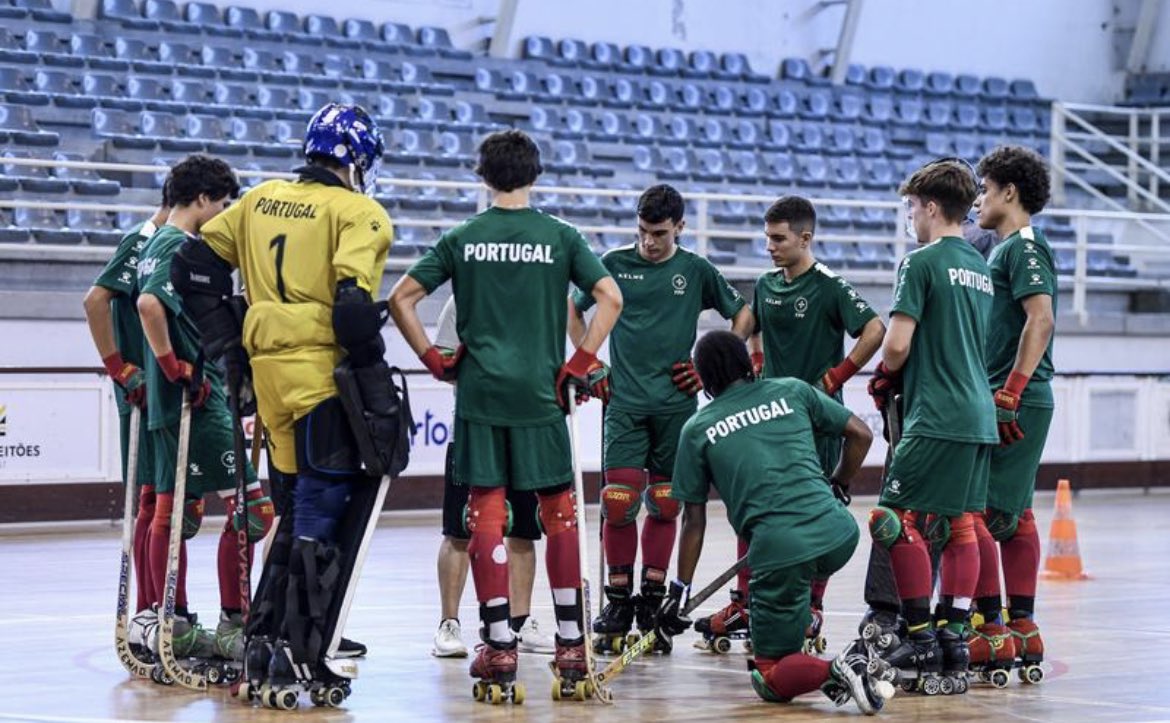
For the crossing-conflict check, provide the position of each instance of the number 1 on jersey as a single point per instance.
(278, 243)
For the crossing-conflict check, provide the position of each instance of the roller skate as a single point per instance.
(1029, 649)
(885, 628)
(860, 674)
(327, 683)
(956, 660)
(257, 659)
(139, 631)
(730, 623)
(918, 660)
(229, 636)
(993, 654)
(495, 666)
(814, 642)
(570, 672)
(194, 649)
(646, 609)
(611, 629)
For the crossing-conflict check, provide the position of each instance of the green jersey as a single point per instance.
(754, 444)
(118, 276)
(803, 322)
(510, 271)
(661, 304)
(946, 288)
(163, 398)
(1021, 266)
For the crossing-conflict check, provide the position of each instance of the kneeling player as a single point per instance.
(200, 188)
(755, 443)
(311, 254)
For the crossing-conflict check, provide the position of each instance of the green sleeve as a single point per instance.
(911, 290)
(158, 281)
(827, 414)
(691, 480)
(585, 269)
(584, 301)
(119, 273)
(1031, 271)
(718, 293)
(855, 312)
(436, 266)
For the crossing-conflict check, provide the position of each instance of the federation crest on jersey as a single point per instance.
(679, 282)
(228, 460)
(801, 307)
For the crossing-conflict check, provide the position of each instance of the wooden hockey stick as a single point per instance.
(135, 666)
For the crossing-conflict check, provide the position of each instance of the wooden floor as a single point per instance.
(1108, 638)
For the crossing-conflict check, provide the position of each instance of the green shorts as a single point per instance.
(643, 441)
(523, 458)
(937, 475)
(1014, 467)
(829, 452)
(145, 473)
(211, 457)
(780, 600)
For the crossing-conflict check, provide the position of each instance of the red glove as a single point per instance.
(685, 377)
(585, 371)
(835, 378)
(443, 365)
(1007, 401)
(884, 385)
(182, 372)
(129, 377)
(758, 363)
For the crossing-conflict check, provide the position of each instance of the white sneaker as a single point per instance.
(449, 640)
(531, 640)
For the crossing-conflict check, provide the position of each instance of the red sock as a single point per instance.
(621, 544)
(794, 674)
(960, 562)
(621, 497)
(1021, 558)
(487, 519)
(658, 542)
(988, 584)
(142, 578)
(745, 573)
(911, 561)
(159, 539)
(228, 561)
(818, 593)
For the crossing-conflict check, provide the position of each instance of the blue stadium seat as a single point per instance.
(1023, 89)
(878, 174)
(32, 179)
(50, 48)
(702, 63)
(16, 88)
(908, 112)
(784, 103)
(198, 96)
(439, 40)
(47, 227)
(753, 102)
(779, 135)
(938, 144)
(43, 11)
(966, 117)
(1023, 120)
(847, 106)
(8, 11)
(680, 130)
(939, 83)
(937, 114)
(606, 55)
(327, 28)
(720, 99)
(995, 88)
(398, 34)
(910, 81)
(995, 119)
(815, 105)
(107, 90)
(12, 50)
(247, 21)
(881, 78)
(98, 226)
(609, 125)
(845, 172)
(451, 148)
(16, 121)
(96, 52)
(668, 61)
(363, 32)
(208, 17)
(127, 13)
(743, 133)
(9, 233)
(142, 56)
(835, 217)
(688, 97)
(572, 51)
(710, 132)
(871, 142)
(654, 94)
(85, 182)
(807, 137)
(622, 93)
(539, 47)
(813, 171)
(736, 65)
(181, 56)
(840, 140)
(63, 87)
(311, 100)
(855, 75)
(743, 166)
(967, 86)
(166, 14)
(879, 110)
(152, 93)
(638, 58)
(797, 69)
(708, 165)
(289, 27)
(164, 129)
(647, 127)
(258, 136)
(555, 87)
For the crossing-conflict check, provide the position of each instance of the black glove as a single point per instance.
(841, 491)
(670, 620)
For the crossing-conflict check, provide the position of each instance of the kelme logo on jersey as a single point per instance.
(508, 253)
(747, 418)
(894, 488)
(679, 282)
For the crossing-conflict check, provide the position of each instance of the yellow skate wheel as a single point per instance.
(722, 645)
(999, 678)
(495, 694)
(580, 690)
(518, 693)
(242, 691)
(617, 645)
(556, 689)
(632, 638)
(821, 644)
(479, 691)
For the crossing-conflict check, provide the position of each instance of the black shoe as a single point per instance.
(351, 649)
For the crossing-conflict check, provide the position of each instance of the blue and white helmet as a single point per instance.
(348, 135)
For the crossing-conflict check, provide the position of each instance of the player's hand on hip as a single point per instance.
(841, 491)
(588, 374)
(443, 364)
(1007, 404)
(883, 385)
(179, 371)
(758, 363)
(834, 378)
(669, 620)
(685, 377)
(130, 378)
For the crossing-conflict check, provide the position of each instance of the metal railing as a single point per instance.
(1147, 234)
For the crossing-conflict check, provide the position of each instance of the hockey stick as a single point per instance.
(594, 681)
(166, 633)
(894, 422)
(601, 576)
(243, 546)
(646, 642)
(136, 667)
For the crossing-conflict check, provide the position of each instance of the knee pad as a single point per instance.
(937, 530)
(885, 526)
(558, 512)
(468, 528)
(320, 503)
(1002, 525)
(259, 515)
(620, 504)
(1027, 523)
(487, 511)
(192, 516)
(659, 503)
(963, 529)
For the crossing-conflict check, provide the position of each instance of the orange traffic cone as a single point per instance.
(1064, 555)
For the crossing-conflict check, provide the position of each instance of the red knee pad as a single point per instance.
(192, 517)
(1027, 524)
(558, 512)
(659, 503)
(487, 511)
(621, 498)
(260, 514)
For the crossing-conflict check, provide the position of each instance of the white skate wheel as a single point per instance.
(884, 689)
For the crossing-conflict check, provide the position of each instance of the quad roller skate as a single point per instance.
(860, 674)
(993, 654)
(814, 642)
(730, 623)
(955, 661)
(570, 673)
(1029, 650)
(495, 666)
(646, 608)
(882, 626)
(611, 629)
(918, 661)
(195, 650)
(328, 684)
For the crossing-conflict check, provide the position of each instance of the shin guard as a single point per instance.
(142, 576)
(960, 567)
(661, 526)
(910, 560)
(987, 590)
(558, 515)
(159, 539)
(487, 519)
(1021, 558)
